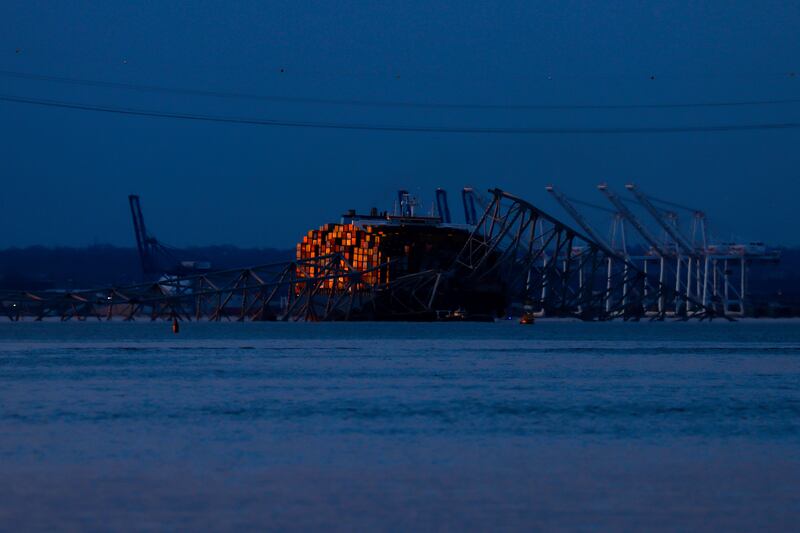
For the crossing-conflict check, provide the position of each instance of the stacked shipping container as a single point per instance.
(382, 251)
(360, 248)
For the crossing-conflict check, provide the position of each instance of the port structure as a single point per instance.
(615, 249)
(150, 250)
(401, 267)
(701, 272)
(156, 258)
(714, 274)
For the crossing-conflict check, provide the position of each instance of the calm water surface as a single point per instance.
(671, 426)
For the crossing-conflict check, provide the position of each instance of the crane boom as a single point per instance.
(155, 258)
(635, 222)
(579, 218)
(142, 241)
(671, 230)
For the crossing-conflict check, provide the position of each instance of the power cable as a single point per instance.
(400, 128)
(387, 103)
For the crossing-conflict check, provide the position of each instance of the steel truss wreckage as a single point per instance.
(514, 256)
(557, 271)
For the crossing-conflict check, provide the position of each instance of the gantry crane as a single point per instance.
(604, 245)
(693, 256)
(580, 219)
(156, 258)
(468, 198)
(148, 246)
(657, 247)
(441, 205)
(659, 217)
(712, 262)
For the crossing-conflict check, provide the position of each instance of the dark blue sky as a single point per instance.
(65, 174)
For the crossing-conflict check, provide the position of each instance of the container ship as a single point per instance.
(392, 251)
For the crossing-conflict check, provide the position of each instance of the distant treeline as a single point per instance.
(40, 267)
(774, 289)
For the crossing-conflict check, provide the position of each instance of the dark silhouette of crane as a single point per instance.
(156, 258)
(441, 205)
(468, 198)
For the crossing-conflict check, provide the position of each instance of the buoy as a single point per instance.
(176, 328)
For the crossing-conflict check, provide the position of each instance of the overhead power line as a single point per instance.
(388, 103)
(396, 128)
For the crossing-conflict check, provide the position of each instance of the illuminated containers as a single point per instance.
(383, 251)
(360, 248)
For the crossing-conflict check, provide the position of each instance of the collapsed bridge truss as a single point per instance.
(558, 271)
(513, 248)
(281, 291)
